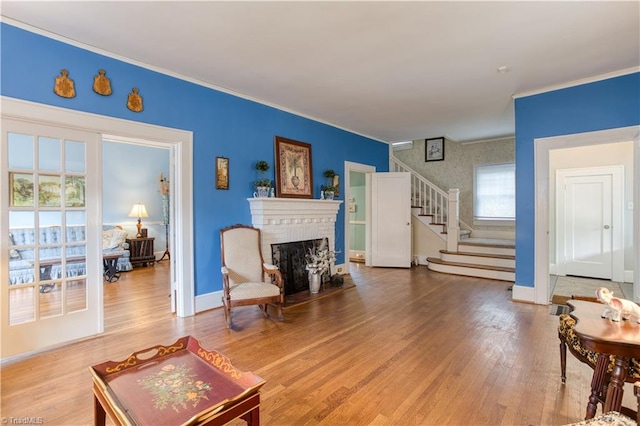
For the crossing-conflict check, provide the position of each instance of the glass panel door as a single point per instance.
(51, 270)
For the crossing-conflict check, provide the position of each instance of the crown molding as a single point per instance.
(580, 82)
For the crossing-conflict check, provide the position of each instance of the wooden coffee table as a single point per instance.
(180, 384)
(606, 337)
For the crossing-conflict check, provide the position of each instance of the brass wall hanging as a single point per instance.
(102, 84)
(64, 86)
(134, 102)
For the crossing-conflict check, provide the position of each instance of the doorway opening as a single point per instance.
(357, 206)
(545, 244)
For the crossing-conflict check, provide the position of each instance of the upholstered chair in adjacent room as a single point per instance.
(247, 279)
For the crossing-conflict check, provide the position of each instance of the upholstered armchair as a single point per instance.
(246, 278)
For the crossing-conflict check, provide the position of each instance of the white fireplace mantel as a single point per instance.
(284, 220)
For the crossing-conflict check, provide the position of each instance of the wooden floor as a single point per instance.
(404, 347)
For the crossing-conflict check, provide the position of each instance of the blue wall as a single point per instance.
(606, 104)
(222, 125)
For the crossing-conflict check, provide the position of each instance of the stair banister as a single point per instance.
(453, 224)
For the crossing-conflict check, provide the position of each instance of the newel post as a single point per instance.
(453, 220)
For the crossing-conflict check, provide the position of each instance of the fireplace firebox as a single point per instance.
(290, 258)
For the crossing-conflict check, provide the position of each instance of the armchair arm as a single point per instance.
(268, 266)
(274, 273)
(225, 279)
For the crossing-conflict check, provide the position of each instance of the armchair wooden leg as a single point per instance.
(227, 313)
(280, 315)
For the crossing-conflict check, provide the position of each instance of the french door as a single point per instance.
(50, 264)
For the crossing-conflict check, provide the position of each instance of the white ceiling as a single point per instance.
(389, 70)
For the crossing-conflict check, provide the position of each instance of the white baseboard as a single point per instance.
(340, 269)
(212, 300)
(552, 269)
(522, 293)
(628, 276)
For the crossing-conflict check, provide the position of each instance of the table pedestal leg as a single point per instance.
(597, 381)
(613, 402)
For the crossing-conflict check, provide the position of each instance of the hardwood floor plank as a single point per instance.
(404, 347)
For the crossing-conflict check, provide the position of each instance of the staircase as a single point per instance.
(464, 255)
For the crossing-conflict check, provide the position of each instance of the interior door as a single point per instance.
(51, 266)
(390, 230)
(588, 225)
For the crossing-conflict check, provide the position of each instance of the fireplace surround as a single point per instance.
(285, 220)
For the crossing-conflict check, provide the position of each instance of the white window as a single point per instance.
(494, 193)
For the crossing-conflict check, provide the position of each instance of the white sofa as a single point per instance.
(22, 252)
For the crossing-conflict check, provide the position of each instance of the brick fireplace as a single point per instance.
(285, 220)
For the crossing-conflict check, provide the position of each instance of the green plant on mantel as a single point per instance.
(330, 174)
(262, 166)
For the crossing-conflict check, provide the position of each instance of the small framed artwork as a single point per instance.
(434, 149)
(222, 173)
(294, 178)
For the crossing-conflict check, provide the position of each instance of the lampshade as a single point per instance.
(138, 210)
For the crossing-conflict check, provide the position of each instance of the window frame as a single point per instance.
(502, 221)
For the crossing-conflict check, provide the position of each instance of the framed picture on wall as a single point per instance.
(294, 178)
(222, 173)
(434, 149)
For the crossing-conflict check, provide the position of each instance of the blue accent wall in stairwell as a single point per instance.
(222, 125)
(606, 104)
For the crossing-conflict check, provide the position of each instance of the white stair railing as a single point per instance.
(433, 201)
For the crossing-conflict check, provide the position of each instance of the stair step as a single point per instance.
(489, 255)
(486, 259)
(471, 270)
(487, 246)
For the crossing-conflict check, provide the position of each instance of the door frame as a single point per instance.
(617, 197)
(542, 148)
(359, 168)
(180, 143)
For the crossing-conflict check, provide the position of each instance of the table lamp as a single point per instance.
(139, 211)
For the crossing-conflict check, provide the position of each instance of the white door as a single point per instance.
(390, 236)
(50, 264)
(587, 222)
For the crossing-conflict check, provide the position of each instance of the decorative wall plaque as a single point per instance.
(102, 84)
(64, 86)
(134, 102)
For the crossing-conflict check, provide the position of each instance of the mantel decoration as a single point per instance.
(331, 190)
(434, 149)
(294, 178)
(64, 86)
(222, 173)
(102, 84)
(134, 101)
(262, 185)
(319, 261)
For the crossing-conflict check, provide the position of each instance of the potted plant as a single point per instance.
(263, 185)
(330, 190)
(319, 261)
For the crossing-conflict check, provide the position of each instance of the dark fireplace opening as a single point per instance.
(290, 258)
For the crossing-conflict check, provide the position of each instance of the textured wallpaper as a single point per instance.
(456, 171)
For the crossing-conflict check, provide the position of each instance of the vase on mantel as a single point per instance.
(315, 278)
